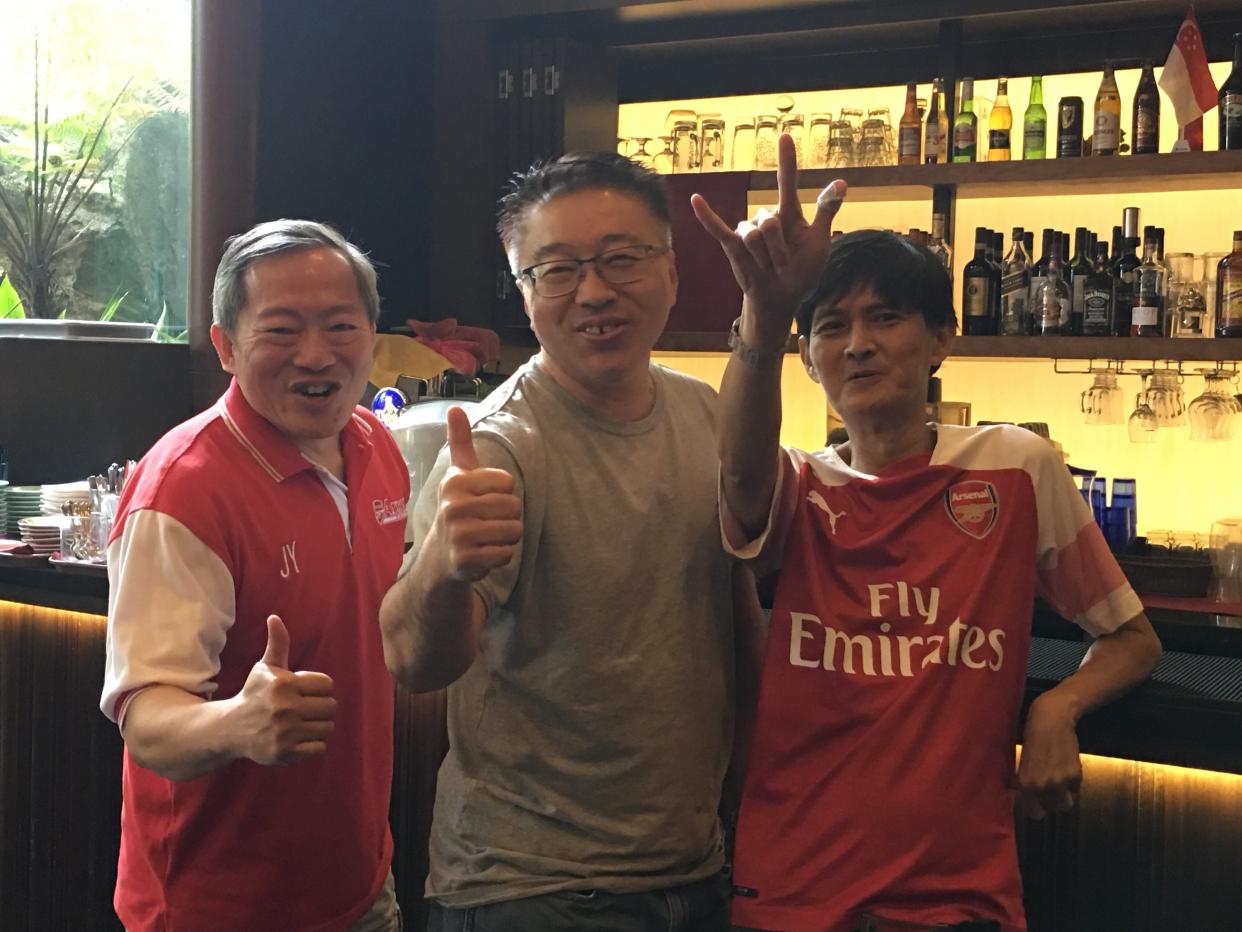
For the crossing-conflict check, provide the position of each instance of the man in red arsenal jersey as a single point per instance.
(907, 559)
(245, 668)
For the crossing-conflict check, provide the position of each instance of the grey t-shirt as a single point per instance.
(589, 739)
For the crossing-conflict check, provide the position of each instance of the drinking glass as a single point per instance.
(795, 124)
(1142, 423)
(1101, 403)
(742, 158)
(872, 146)
(818, 134)
(673, 117)
(662, 162)
(685, 146)
(1125, 494)
(1188, 306)
(711, 142)
(1164, 396)
(1210, 262)
(1212, 413)
(841, 145)
(765, 142)
(1225, 546)
(639, 151)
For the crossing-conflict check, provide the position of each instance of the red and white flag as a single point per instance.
(1188, 82)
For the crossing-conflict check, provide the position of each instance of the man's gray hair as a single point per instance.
(228, 293)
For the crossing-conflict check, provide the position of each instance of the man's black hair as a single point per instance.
(902, 275)
(577, 171)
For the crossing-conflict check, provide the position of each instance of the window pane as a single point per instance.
(95, 179)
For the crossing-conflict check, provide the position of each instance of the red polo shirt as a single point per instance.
(224, 522)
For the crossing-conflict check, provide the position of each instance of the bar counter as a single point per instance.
(1152, 843)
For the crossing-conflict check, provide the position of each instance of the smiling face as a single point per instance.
(597, 340)
(301, 350)
(873, 361)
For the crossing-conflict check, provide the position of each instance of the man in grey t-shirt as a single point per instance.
(569, 586)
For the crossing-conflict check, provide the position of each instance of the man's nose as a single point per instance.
(593, 289)
(313, 351)
(861, 341)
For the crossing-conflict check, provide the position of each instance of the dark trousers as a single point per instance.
(702, 906)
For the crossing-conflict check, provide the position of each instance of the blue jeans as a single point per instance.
(702, 906)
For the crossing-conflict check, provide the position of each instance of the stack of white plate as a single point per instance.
(54, 497)
(25, 501)
(42, 533)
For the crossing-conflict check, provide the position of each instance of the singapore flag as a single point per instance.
(1188, 82)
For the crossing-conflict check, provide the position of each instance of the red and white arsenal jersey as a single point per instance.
(896, 660)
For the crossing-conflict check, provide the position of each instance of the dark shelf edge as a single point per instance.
(1140, 169)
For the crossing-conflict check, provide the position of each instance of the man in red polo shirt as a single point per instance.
(878, 793)
(251, 550)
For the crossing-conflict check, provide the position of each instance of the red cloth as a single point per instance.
(708, 298)
(467, 348)
(250, 848)
(1188, 81)
(896, 662)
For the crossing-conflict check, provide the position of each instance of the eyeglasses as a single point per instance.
(621, 266)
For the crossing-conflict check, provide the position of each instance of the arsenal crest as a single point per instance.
(973, 506)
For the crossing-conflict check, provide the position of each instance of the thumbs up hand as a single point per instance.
(479, 519)
(281, 716)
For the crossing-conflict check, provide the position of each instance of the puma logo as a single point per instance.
(818, 501)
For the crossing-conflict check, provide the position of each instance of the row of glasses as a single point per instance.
(695, 142)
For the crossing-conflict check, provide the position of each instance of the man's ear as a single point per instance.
(223, 343)
(804, 351)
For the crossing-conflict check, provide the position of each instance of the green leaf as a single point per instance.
(113, 305)
(10, 303)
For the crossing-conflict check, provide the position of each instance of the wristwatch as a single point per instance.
(753, 358)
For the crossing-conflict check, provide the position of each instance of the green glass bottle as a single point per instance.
(1035, 123)
(966, 125)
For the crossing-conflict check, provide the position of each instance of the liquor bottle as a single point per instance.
(977, 290)
(910, 129)
(1229, 289)
(1147, 310)
(935, 133)
(1106, 134)
(1145, 131)
(1040, 268)
(965, 125)
(1097, 299)
(1015, 287)
(1230, 101)
(1079, 270)
(1065, 252)
(1028, 243)
(1124, 268)
(1000, 124)
(1035, 123)
(940, 249)
(1050, 310)
(1115, 250)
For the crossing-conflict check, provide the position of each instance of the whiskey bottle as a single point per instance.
(1051, 308)
(977, 290)
(1147, 312)
(1229, 291)
(1015, 287)
(1230, 101)
(1097, 296)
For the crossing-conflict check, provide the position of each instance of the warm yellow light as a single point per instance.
(20, 611)
(1182, 485)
